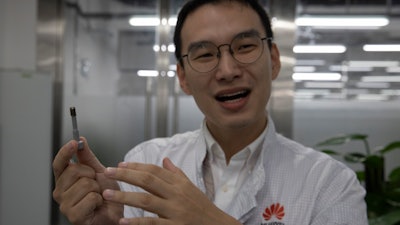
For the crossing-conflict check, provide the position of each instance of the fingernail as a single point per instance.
(70, 146)
(123, 164)
(110, 171)
(108, 194)
(124, 221)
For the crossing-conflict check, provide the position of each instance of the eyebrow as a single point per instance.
(243, 33)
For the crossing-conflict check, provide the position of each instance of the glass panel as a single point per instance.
(103, 55)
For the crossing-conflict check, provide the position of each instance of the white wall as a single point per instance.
(25, 119)
(18, 34)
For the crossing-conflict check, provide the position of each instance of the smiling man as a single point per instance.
(235, 169)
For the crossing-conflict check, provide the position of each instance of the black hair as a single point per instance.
(192, 5)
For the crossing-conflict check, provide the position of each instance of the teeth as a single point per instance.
(232, 96)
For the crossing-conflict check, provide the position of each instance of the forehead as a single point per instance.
(219, 23)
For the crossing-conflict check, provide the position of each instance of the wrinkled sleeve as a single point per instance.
(341, 201)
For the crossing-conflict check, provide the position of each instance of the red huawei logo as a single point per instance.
(276, 210)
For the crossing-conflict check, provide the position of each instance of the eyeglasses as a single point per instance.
(245, 48)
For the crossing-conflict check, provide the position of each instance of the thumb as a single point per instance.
(87, 157)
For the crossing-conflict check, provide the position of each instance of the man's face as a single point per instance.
(233, 95)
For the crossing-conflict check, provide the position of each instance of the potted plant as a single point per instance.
(383, 195)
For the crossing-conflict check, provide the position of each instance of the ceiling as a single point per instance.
(355, 83)
(350, 86)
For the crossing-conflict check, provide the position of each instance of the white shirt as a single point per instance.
(289, 185)
(229, 178)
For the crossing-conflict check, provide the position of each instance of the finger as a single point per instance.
(144, 179)
(169, 165)
(87, 157)
(145, 221)
(63, 157)
(162, 173)
(78, 191)
(143, 200)
(83, 210)
(73, 172)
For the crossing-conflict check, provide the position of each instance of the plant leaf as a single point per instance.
(390, 218)
(393, 196)
(376, 204)
(390, 147)
(330, 152)
(360, 175)
(354, 157)
(342, 139)
(394, 176)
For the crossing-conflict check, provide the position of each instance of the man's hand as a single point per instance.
(79, 186)
(171, 195)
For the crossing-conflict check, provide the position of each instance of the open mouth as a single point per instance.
(232, 96)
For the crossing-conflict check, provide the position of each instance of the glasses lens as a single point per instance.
(247, 48)
(203, 57)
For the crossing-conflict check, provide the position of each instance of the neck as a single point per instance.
(234, 140)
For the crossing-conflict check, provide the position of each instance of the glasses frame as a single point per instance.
(230, 52)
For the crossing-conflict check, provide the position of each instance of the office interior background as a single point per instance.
(113, 60)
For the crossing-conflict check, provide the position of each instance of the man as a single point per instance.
(235, 169)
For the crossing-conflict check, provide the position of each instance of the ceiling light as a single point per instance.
(164, 48)
(381, 85)
(319, 49)
(317, 76)
(144, 21)
(342, 21)
(373, 63)
(323, 85)
(304, 69)
(395, 69)
(147, 73)
(283, 24)
(371, 97)
(310, 62)
(151, 21)
(390, 92)
(340, 68)
(381, 48)
(380, 79)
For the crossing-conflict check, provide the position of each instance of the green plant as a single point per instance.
(383, 195)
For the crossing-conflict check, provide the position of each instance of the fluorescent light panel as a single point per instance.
(342, 21)
(304, 69)
(147, 73)
(381, 85)
(393, 70)
(371, 97)
(323, 85)
(340, 68)
(310, 62)
(151, 21)
(373, 63)
(382, 48)
(317, 76)
(390, 92)
(319, 49)
(380, 79)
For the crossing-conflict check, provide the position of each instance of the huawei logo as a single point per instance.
(276, 210)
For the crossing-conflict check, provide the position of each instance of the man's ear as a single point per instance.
(182, 78)
(275, 61)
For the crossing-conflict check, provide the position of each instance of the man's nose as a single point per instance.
(228, 67)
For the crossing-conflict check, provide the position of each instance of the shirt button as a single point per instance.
(225, 188)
